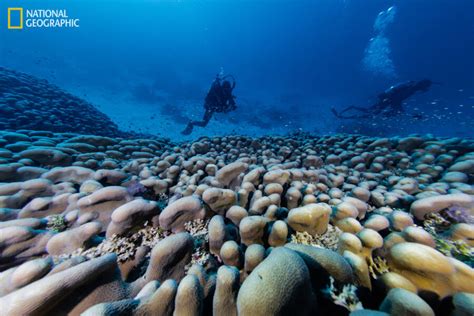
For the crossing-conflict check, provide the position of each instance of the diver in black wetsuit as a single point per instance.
(219, 99)
(389, 102)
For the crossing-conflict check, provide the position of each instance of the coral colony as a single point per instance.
(125, 224)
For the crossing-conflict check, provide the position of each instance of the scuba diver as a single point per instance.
(389, 102)
(219, 99)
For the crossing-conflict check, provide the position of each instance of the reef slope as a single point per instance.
(27, 102)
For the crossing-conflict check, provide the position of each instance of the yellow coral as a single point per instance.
(377, 267)
(327, 240)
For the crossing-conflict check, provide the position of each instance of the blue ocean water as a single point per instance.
(148, 64)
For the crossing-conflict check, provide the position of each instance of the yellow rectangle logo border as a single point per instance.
(15, 27)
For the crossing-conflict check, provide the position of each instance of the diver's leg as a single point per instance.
(352, 107)
(356, 116)
(333, 110)
(189, 128)
(205, 120)
(364, 111)
(338, 114)
(207, 117)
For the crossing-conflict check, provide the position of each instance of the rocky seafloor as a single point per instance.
(299, 225)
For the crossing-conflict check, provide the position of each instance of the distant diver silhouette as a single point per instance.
(389, 102)
(219, 99)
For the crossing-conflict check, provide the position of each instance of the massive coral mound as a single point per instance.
(27, 102)
(235, 225)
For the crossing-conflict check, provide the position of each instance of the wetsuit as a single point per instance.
(219, 99)
(389, 102)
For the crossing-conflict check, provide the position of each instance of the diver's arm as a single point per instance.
(357, 108)
(382, 96)
(230, 105)
(396, 89)
(232, 100)
(403, 86)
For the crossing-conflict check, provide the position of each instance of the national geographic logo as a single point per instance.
(15, 18)
(40, 18)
